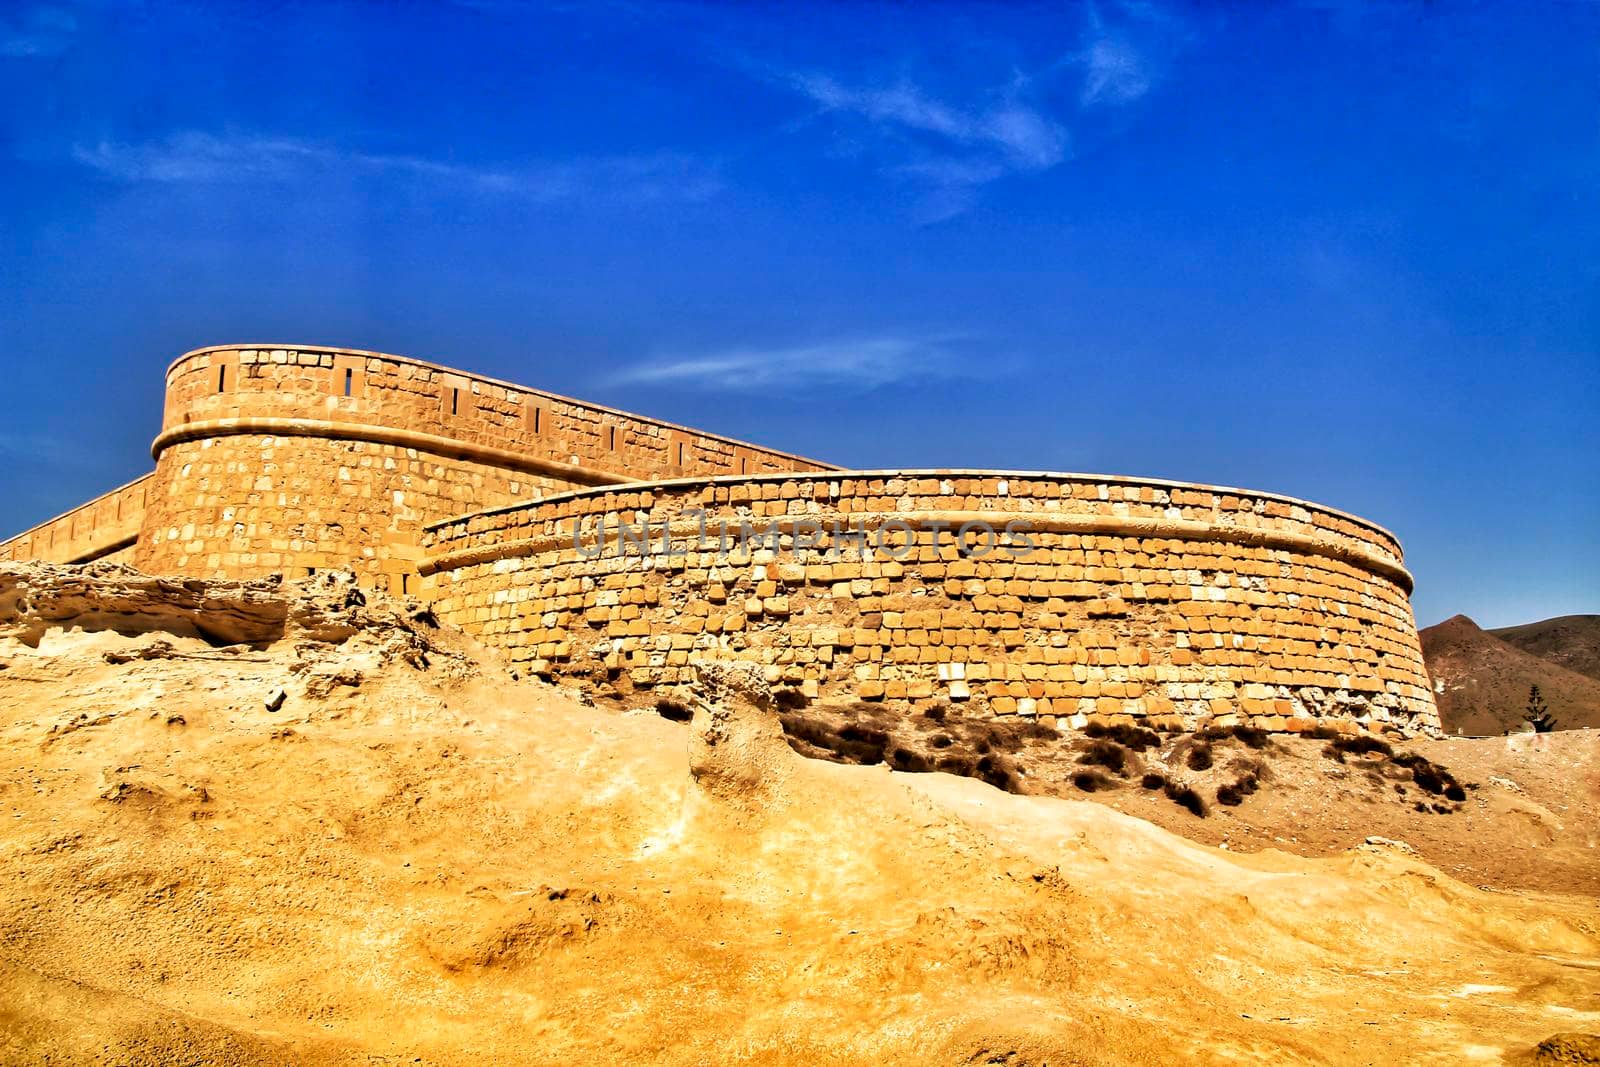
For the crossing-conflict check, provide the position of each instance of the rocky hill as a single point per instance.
(1570, 641)
(1481, 679)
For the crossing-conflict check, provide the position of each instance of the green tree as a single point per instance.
(1537, 715)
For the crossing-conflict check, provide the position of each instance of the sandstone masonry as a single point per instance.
(590, 543)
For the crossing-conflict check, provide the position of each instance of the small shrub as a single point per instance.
(965, 766)
(1185, 797)
(1154, 781)
(673, 710)
(1443, 809)
(1251, 737)
(935, 713)
(1090, 781)
(1011, 736)
(942, 741)
(1245, 765)
(869, 734)
(1430, 777)
(852, 744)
(996, 739)
(865, 753)
(814, 733)
(1034, 730)
(1420, 806)
(790, 699)
(1233, 794)
(1325, 733)
(1108, 754)
(1427, 779)
(1135, 737)
(1360, 745)
(999, 773)
(903, 759)
(1199, 758)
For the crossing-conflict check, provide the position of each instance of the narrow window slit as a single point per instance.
(455, 400)
(349, 378)
(222, 378)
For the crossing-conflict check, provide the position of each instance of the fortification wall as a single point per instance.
(103, 528)
(247, 505)
(276, 459)
(1134, 599)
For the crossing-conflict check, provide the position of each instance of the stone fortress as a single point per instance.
(590, 544)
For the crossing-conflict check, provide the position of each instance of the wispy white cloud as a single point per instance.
(859, 363)
(1130, 44)
(951, 139)
(1114, 73)
(951, 150)
(199, 157)
(1019, 134)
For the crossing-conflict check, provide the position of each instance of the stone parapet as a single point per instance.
(102, 528)
(226, 387)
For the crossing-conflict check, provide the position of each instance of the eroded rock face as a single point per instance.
(1571, 1048)
(322, 609)
(37, 597)
(737, 750)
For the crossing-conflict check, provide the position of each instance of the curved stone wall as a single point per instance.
(249, 504)
(1095, 598)
(282, 459)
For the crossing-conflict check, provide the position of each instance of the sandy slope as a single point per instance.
(428, 864)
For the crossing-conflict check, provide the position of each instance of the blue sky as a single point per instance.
(1345, 252)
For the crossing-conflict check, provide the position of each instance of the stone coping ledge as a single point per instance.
(933, 472)
(1031, 522)
(384, 435)
(501, 383)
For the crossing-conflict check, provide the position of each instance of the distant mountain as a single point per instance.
(1570, 641)
(1481, 680)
